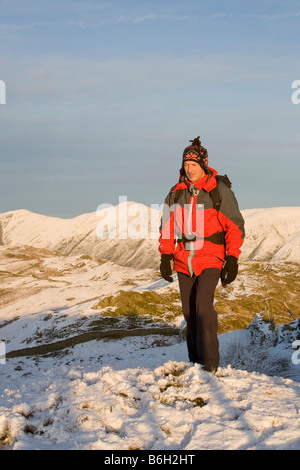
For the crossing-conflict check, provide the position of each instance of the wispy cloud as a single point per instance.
(156, 16)
(256, 16)
(278, 16)
(131, 20)
(221, 14)
(16, 27)
(152, 17)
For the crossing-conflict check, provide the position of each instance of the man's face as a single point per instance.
(193, 171)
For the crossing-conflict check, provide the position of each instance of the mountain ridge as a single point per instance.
(272, 234)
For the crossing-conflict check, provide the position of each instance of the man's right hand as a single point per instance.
(165, 267)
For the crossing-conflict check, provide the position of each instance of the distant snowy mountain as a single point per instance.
(272, 234)
(85, 234)
(128, 234)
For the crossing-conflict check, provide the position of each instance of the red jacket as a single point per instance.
(189, 215)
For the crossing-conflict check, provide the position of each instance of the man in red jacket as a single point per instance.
(203, 239)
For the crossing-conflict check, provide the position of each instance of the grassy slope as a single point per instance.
(260, 286)
(272, 288)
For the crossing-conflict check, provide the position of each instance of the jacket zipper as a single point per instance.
(189, 246)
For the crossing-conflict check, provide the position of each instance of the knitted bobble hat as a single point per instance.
(195, 153)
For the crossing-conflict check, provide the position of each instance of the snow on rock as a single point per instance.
(264, 333)
(132, 231)
(264, 348)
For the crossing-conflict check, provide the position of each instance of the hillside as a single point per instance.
(95, 353)
(92, 375)
(272, 234)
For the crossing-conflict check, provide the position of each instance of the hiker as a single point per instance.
(201, 233)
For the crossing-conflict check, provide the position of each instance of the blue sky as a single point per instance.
(103, 96)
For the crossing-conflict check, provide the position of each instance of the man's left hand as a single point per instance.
(230, 270)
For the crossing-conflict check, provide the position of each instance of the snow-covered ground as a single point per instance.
(138, 391)
(133, 394)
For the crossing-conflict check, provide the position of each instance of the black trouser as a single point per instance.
(197, 296)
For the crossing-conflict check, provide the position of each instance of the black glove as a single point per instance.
(230, 270)
(165, 267)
